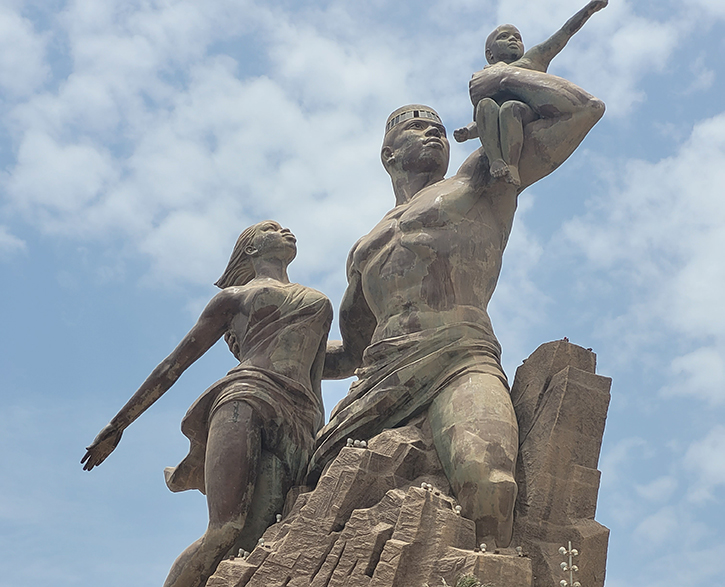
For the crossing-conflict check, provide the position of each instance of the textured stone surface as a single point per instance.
(413, 319)
(561, 405)
(368, 523)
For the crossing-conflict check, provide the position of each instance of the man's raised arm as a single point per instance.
(566, 113)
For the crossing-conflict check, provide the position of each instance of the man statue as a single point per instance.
(413, 319)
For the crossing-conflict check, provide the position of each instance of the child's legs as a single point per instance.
(513, 116)
(487, 123)
(232, 457)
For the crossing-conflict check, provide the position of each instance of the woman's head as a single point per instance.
(266, 238)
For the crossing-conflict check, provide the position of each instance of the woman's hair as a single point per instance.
(239, 269)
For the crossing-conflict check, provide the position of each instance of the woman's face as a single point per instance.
(271, 240)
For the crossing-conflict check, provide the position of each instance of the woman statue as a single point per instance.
(266, 410)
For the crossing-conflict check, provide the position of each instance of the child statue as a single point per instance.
(499, 118)
(268, 407)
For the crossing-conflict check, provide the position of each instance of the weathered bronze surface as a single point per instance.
(252, 432)
(413, 320)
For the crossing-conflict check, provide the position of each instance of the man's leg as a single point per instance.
(476, 436)
(232, 456)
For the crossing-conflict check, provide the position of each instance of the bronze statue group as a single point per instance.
(414, 324)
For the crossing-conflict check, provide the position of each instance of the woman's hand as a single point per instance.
(103, 445)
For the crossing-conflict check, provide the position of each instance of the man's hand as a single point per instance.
(597, 5)
(103, 445)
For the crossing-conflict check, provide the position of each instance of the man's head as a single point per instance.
(415, 141)
(504, 44)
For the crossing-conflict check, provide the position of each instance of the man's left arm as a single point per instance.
(566, 114)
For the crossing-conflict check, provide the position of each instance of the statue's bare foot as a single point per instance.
(499, 168)
(461, 134)
(512, 175)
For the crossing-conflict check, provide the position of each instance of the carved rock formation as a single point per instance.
(368, 523)
(561, 407)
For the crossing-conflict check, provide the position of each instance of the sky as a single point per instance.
(138, 138)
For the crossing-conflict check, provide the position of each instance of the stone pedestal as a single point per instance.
(561, 406)
(368, 522)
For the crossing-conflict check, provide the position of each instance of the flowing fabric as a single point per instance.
(400, 377)
(273, 377)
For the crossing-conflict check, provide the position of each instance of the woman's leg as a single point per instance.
(232, 456)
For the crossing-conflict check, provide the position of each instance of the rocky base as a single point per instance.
(368, 523)
(561, 406)
(385, 516)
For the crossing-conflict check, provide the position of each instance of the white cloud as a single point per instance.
(659, 232)
(9, 244)
(704, 76)
(619, 457)
(706, 459)
(700, 373)
(710, 8)
(658, 528)
(126, 146)
(659, 490)
(55, 182)
(22, 53)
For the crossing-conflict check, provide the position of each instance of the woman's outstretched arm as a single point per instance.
(210, 327)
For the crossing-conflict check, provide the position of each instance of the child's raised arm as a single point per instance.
(542, 54)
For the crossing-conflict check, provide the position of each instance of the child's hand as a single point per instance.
(461, 134)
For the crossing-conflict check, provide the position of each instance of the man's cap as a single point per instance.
(411, 111)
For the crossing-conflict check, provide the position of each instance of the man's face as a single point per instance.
(420, 144)
(505, 46)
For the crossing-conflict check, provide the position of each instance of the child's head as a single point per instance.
(504, 44)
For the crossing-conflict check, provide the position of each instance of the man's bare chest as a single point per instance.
(433, 223)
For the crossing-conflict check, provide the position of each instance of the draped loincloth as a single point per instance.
(400, 377)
